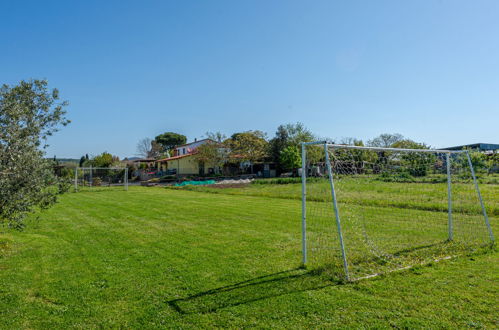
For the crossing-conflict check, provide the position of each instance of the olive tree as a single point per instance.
(29, 114)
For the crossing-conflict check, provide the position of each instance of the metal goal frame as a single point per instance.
(125, 175)
(327, 145)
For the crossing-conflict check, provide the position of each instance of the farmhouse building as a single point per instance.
(146, 162)
(185, 162)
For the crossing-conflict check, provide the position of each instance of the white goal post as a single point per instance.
(101, 177)
(369, 210)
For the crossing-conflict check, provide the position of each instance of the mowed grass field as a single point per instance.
(156, 257)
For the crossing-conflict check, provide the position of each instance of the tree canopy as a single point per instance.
(170, 140)
(212, 152)
(104, 160)
(290, 158)
(289, 135)
(248, 146)
(29, 114)
(385, 140)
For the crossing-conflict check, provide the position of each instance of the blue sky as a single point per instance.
(133, 69)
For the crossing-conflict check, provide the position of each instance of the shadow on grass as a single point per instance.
(255, 289)
(283, 283)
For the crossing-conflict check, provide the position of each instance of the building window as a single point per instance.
(183, 151)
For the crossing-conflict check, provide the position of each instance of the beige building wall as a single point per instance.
(185, 166)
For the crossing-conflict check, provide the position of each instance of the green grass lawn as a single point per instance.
(156, 257)
(423, 196)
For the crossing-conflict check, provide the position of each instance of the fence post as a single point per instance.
(76, 178)
(126, 178)
(304, 202)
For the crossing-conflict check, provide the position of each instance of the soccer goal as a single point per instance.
(368, 211)
(91, 178)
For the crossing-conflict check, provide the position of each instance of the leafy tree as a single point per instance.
(216, 152)
(478, 159)
(409, 144)
(417, 163)
(385, 140)
(492, 162)
(29, 114)
(170, 140)
(354, 160)
(212, 152)
(104, 160)
(248, 146)
(290, 158)
(291, 135)
(461, 165)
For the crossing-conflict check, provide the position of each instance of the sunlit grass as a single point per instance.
(154, 257)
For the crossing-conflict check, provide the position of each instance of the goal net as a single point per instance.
(370, 211)
(95, 178)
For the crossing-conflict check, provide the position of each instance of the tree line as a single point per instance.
(254, 146)
(31, 112)
(251, 146)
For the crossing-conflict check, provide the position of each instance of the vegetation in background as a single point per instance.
(218, 137)
(415, 162)
(170, 140)
(290, 158)
(104, 160)
(290, 135)
(214, 153)
(385, 140)
(29, 114)
(250, 146)
(148, 148)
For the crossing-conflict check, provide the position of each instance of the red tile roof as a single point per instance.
(176, 157)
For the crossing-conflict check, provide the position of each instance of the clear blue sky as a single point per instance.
(132, 69)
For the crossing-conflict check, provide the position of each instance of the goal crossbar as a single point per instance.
(91, 169)
(331, 178)
(343, 146)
